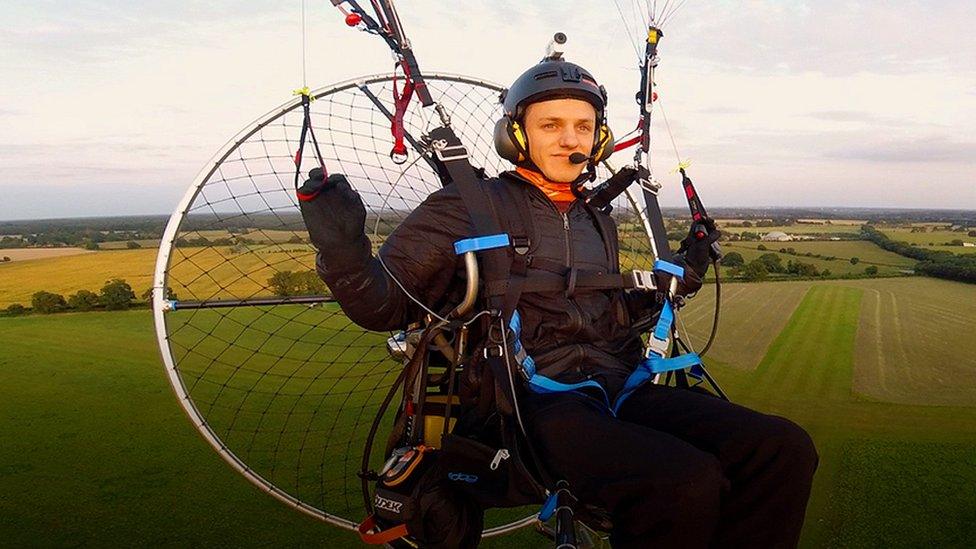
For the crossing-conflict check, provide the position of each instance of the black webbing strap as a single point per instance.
(573, 281)
(496, 263)
(654, 218)
(601, 196)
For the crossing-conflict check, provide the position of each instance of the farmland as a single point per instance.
(203, 271)
(931, 238)
(888, 263)
(28, 254)
(98, 446)
(68, 274)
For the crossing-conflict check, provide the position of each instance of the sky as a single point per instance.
(111, 108)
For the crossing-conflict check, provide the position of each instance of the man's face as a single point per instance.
(556, 129)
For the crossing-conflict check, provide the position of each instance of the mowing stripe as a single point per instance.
(813, 356)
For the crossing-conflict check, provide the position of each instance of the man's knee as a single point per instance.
(681, 508)
(790, 445)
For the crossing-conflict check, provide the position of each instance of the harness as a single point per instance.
(507, 276)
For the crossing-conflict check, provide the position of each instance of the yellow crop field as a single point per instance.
(196, 273)
(26, 254)
(68, 274)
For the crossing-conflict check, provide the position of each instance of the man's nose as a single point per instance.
(568, 138)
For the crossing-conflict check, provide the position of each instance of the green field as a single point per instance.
(852, 226)
(931, 236)
(97, 451)
(842, 250)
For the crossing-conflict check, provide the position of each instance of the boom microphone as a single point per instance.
(579, 158)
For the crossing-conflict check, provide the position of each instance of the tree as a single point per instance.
(956, 242)
(772, 262)
(285, 283)
(147, 295)
(16, 309)
(133, 245)
(802, 269)
(971, 233)
(733, 259)
(47, 302)
(754, 270)
(6, 258)
(309, 283)
(871, 270)
(90, 245)
(855, 260)
(677, 236)
(83, 300)
(762, 247)
(116, 295)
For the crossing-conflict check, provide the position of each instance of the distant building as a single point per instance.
(969, 244)
(777, 236)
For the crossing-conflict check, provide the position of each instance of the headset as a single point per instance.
(550, 79)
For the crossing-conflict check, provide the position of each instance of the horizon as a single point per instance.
(758, 211)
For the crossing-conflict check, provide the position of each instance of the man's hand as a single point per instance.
(697, 250)
(333, 212)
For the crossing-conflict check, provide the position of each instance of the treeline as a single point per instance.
(937, 263)
(82, 238)
(769, 264)
(115, 295)
(295, 283)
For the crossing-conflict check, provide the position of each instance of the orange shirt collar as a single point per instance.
(560, 194)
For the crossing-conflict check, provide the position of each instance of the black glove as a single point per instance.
(697, 251)
(333, 212)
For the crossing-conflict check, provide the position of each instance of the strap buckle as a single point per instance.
(447, 154)
(493, 351)
(644, 280)
(658, 346)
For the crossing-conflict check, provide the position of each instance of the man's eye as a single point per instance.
(585, 128)
(549, 126)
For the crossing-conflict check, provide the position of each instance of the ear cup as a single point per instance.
(603, 147)
(510, 141)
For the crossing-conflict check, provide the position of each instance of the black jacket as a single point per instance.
(587, 334)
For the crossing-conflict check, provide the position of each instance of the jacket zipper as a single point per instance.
(577, 313)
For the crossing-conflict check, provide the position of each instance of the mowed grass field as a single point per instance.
(97, 451)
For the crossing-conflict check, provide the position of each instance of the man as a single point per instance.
(674, 468)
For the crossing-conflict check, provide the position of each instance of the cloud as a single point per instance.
(721, 110)
(782, 98)
(926, 149)
(836, 37)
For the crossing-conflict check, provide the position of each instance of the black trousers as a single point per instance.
(678, 468)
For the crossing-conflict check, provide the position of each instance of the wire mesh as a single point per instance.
(287, 392)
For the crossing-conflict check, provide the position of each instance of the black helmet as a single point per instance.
(550, 79)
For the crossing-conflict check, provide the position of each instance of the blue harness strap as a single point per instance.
(539, 383)
(548, 507)
(656, 361)
(479, 243)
